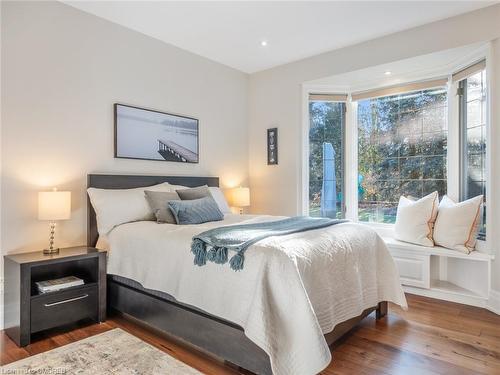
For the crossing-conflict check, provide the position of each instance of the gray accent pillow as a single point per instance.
(158, 201)
(194, 193)
(195, 211)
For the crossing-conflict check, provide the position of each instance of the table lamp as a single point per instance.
(53, 206)
(240, 197)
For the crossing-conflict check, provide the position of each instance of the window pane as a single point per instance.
(326, 174)
(402, 150)
(473, 125)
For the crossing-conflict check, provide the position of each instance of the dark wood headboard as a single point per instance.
(113, 181)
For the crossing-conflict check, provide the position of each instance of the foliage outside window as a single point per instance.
(473, 142)
(326, 158)
(402, 144)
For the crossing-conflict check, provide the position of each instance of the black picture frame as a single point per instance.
(167, 149)
(272, 146)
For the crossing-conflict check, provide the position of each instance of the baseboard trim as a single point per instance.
(494, 302)
(447, 296)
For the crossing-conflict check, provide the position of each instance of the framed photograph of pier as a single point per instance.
(272, 146)
(153, 135)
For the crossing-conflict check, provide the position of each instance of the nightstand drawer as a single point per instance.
(58, 308)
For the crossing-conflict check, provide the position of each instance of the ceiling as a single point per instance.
(426, 67)
(231, 32)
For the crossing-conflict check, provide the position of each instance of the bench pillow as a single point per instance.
(415, 219)
(457, 224)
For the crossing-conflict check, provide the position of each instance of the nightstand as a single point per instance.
(27, 311)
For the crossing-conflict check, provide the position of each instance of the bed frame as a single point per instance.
(200, 329)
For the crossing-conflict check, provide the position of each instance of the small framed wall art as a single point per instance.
(272, 146)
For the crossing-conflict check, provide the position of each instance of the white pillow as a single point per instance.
(220, 199)
(415, 219)
(457, 224)
(173, 188)
(117, 206)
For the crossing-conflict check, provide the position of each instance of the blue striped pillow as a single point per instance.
(195, 211)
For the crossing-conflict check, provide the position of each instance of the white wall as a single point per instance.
(62, 71)
(275, 100)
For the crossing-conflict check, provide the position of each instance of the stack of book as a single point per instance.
(58, 284)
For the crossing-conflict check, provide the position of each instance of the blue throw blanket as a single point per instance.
(214, 244)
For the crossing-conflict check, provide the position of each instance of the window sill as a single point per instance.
(436, 250)
(386, 231)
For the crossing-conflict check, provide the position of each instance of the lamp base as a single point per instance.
(51, 251)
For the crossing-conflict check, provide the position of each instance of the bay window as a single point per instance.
(366, 149)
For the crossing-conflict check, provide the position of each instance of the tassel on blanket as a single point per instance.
(199, 249)
(212, 254)
(237, 261)
(221, 256)
(217, 255)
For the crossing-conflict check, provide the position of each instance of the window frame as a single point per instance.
(305, 190)
(462, 126)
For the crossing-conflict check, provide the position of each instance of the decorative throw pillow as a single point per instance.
(205, 191)
(158, 200)
(219, 197)
(117, 206)
(415, 219)
(195, 211)
(457, 224)
(193, 193)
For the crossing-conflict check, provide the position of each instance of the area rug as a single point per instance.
(114, 352)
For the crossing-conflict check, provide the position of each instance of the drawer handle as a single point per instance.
(66, 300)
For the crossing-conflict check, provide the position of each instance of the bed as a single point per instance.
(276, 316)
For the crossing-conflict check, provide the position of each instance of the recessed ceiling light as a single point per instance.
(388, 73)
(263, 43)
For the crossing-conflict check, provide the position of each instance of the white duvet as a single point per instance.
(293, 289)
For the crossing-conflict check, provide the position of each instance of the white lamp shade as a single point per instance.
(240, 197)
(54, 205)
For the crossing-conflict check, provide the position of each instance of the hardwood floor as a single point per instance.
(432, 337)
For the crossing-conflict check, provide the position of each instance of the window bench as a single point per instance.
(441, 273)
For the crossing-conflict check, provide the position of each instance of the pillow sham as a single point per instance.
(415, 219)
(158, 201)
(172, 187)
(457, 224)
(220, 199)
(193, 193)
(117, 206)
(195, 211)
